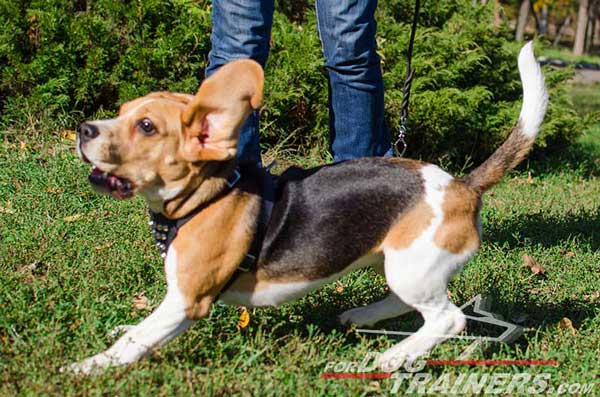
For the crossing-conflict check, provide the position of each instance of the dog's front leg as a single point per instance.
(165, 323)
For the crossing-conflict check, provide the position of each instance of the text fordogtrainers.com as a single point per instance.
(407, 377)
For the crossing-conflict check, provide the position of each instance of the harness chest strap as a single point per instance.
(164, 230)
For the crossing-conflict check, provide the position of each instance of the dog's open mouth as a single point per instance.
(117, 187)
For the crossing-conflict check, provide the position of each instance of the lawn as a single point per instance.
(75, 265)
(566, 54)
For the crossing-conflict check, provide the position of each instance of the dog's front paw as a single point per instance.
(90, 365)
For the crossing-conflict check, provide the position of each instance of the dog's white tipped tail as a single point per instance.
(520, 140)
(535, 97)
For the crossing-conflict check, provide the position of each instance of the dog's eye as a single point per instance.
(146, 126)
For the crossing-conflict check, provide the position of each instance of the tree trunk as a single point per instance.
(582, 21)
(543, 22)
(561, 30)
(591, 28)
(497, 14)
(522, 21)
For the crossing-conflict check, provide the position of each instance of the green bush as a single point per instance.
(76, 57)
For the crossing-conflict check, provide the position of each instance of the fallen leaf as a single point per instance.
(592, 297)
(244, 319)
(533, 265)
(140, 302)
(68, 134)
(340, 287)
(73, 218)
(565, 323)
(22, 145)
(529, 178)
(570, 254)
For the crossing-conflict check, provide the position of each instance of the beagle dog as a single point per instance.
(413, 222)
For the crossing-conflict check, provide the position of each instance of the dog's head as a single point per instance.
(159, 143)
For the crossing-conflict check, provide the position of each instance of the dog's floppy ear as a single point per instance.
(211, 122)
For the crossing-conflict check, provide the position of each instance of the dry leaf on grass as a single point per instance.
(340, 287)
(570, 254)
(244, 319)
(565, 323)
(17, 184)
(533, 265)
(592, 297)
(4, 210)
(140, 302)
(68, 134)
(529, 178)
(73, 218)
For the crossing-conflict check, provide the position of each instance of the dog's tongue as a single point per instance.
(118, 187)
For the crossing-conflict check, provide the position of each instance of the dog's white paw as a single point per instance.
(394, 358)
(358, 316)
(90, 365)
(119, 329)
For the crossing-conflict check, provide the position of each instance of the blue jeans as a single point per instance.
(242, 29)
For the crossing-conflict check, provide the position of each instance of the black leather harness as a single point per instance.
(164, 230)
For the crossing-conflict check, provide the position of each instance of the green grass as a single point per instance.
(586, 98)
(566, 54)
(65, 282)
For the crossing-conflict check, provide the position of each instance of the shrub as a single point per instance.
(62, 57)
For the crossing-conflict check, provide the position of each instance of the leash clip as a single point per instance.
(401, 140)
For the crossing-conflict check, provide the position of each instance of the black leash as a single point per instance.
(410, 73)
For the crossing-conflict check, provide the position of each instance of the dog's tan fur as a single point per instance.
(211, 246)
(459, 232)
(410, 226)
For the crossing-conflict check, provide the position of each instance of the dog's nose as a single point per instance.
(87, 132)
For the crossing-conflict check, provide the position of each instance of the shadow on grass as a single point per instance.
(541, 317)
(546, 230)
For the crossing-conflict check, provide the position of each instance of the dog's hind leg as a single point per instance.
(390, 307)
(419, 276)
